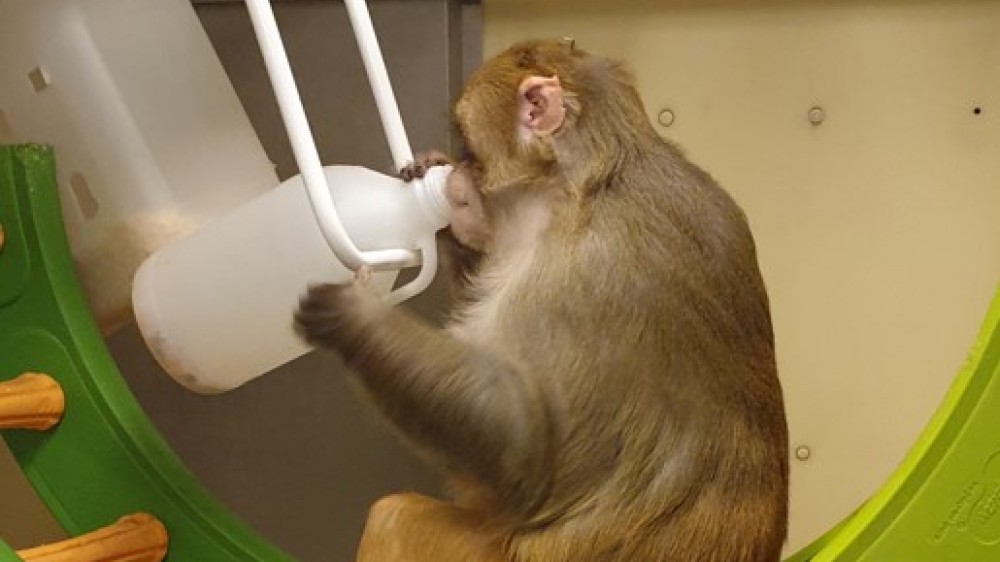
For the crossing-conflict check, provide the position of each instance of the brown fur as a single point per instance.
(413, 528)
(608, 390)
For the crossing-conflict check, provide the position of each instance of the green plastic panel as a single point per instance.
(942, 503)
(105, 459)
(7, 554)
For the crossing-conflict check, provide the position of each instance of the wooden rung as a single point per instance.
(134, 538)
(31, 401)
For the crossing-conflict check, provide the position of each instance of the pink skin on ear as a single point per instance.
(540, 106)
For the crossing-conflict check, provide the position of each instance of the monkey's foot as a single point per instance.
(422, 162)
(420, 529)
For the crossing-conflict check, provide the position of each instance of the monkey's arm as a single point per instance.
(473, 409)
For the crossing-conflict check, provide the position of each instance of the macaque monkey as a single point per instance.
(606, 389)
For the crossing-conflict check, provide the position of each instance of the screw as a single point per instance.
(803, 452)
(816, 115)
(666, 117)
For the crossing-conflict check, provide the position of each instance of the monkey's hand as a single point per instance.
(338, 316)
(422, 162)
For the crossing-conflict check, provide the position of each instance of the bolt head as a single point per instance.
(816, 115)
(665, 117)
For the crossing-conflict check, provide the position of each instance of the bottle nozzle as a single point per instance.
(430, 191)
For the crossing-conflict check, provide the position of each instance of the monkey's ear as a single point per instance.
(540, 105)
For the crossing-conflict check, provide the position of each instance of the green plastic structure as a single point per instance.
(6, 554)
(105, 459)
(941, 504)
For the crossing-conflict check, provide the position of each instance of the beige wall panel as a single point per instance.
(878, 230)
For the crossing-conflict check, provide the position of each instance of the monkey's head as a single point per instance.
(545, 106)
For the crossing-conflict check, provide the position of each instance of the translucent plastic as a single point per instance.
(215, 308)
(150, 136)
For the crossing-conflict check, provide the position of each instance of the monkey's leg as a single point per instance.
(414, 528)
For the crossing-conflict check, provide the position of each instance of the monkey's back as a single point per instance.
(650, 338)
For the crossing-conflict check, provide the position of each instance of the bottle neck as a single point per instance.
(431, 198)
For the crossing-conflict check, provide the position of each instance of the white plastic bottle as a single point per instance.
(215, 308)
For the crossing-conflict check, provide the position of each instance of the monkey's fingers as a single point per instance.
(319, 316)
(363, 276)
(422, 162)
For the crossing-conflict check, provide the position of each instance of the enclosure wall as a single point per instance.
(876, 226)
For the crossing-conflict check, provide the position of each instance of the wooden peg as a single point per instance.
(31, 401)
(134, 538)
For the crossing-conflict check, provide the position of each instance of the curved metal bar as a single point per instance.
(378, 77)
(304, 148)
